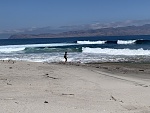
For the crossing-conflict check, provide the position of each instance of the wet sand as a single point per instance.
(28, 87)
(135, 70)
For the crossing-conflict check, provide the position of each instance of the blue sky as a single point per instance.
(40, 13)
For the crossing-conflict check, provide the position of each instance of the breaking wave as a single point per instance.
(30, 47)
(126, 42)
(109, 51)
(140, 41)
(91, 42)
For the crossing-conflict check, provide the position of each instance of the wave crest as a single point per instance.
(126, 41)
(91, 42)
(19, 48)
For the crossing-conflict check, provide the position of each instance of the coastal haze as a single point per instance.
(129, 27)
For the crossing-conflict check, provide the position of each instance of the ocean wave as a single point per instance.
(11, 50)
(19, 48)
(51, 49)
(126, 41)
(109, 51)
(91, 42)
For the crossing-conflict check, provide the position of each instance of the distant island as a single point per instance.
(111, 31)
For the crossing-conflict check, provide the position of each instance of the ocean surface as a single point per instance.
(80, 49)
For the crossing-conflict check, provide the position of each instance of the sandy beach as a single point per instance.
(27, 87)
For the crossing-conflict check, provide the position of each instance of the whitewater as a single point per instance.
(80, 49)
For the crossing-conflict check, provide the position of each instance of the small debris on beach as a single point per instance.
(117, 67)
(67, 94)
(113, 98)
(141, 70)
(10, 67)
(45, 101)
(9, 84)
(52, 77)
(16, 102)
(3, 79)
(11, 61)
(121, 101)
(105, 67)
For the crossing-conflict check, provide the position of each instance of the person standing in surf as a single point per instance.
(65, 56)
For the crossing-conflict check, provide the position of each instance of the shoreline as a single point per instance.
(73, 88)
(127, 69)
(139, 70)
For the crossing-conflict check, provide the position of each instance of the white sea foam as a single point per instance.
(126, 41)
(109, 51)
(91, 42)
(10, 49)
(73, 57)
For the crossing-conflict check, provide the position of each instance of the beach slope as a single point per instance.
(27, 87)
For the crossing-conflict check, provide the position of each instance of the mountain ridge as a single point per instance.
(108, 31)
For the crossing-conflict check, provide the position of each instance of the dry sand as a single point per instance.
(27, 87)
